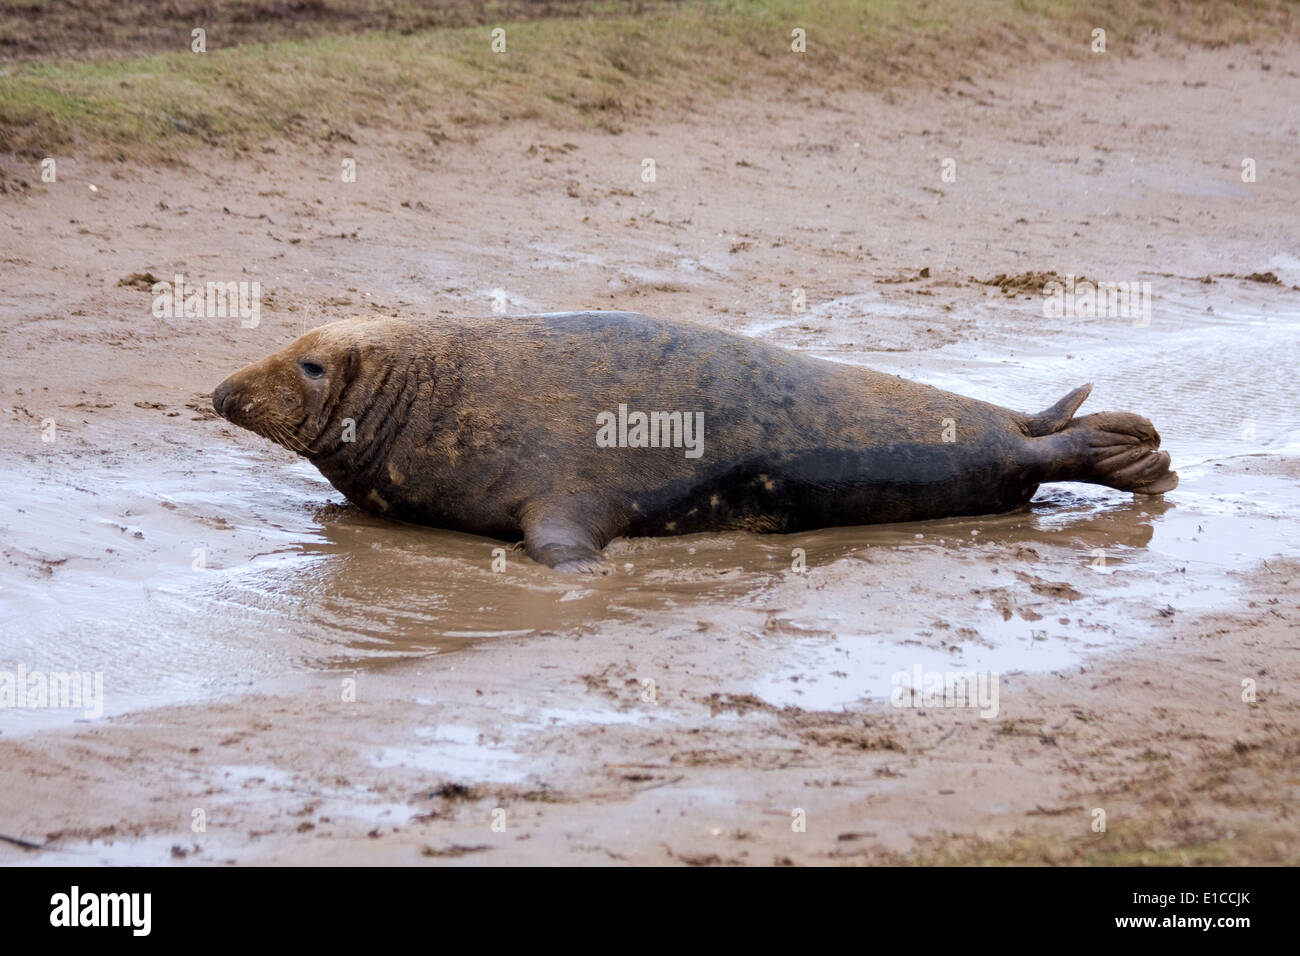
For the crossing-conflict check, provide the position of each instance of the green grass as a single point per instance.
(1145, 842)
(598, 71)
(1231, 807)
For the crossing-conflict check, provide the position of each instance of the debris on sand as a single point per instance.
(906, 277)
(1024, 283)
(144, 281)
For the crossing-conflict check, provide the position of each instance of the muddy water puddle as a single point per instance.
(1214, 372)
(185, 577)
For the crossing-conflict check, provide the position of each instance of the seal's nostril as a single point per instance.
(221, 397)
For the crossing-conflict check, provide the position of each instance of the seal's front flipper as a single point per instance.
(577, 558)
(563, 543)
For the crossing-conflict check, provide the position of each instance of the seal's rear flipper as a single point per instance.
(1059, 415)
(1119, 450)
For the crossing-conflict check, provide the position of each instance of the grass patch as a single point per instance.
(1145, 841)
(1233, 807)
(593, 70)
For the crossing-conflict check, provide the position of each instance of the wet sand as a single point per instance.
(684, 708)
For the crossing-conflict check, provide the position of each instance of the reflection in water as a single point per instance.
(372, 588)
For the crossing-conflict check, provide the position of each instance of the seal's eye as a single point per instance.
(311, 369)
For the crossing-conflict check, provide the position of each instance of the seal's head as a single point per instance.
(290, 397)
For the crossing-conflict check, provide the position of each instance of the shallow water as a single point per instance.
(1216, 377)
(284, 577)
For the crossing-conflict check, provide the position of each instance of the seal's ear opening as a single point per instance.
(352, 364)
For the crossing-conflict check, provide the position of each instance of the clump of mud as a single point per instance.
(139, 280)
(1026, 283)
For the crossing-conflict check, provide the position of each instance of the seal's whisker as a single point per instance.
(277, 429)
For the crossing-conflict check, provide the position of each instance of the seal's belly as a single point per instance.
(835, 487)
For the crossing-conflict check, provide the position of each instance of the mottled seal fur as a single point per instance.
(491, 426)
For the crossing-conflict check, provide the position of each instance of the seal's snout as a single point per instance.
(221, 397)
